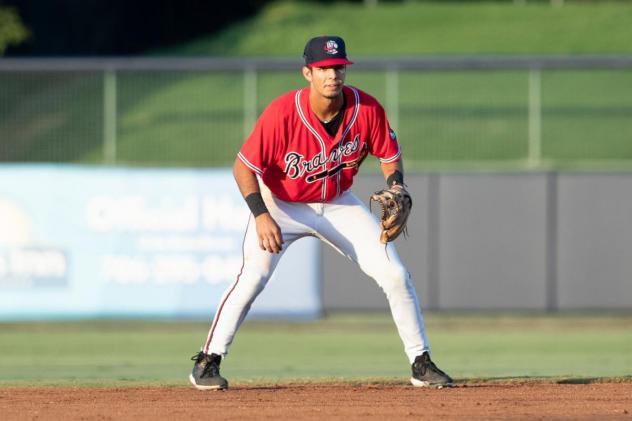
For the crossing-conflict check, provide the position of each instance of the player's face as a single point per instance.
(327, 81)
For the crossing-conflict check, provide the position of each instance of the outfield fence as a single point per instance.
(490, 112)
(504, 240)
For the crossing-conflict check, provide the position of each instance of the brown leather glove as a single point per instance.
(396, 205)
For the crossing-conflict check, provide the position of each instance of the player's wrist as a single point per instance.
(262, 215)
(396, 178)
(256, 204)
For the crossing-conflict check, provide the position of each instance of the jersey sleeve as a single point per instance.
(384, 144)
(258, 151)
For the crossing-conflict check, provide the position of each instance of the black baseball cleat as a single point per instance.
(205, 374)
(427, 374)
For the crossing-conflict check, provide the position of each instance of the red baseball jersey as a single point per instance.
(300, 162)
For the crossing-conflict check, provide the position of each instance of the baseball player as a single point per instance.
(295, 171)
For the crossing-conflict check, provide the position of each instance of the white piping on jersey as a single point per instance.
(320, 139)
(249, 164)
(323, 149)
(392, 158)
(344, 134)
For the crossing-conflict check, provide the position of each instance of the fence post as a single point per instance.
(392, 96)
(434, 241)
(250, 99)
(109, 117)
(552, 300)
(535, 118)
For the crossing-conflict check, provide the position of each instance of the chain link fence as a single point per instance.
(524, 112)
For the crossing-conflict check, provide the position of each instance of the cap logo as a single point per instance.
(331, 47)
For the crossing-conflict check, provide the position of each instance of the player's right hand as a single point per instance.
(269, 233)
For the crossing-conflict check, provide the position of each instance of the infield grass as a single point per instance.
(340, 348)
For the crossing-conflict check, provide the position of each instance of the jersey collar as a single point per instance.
(313, 123)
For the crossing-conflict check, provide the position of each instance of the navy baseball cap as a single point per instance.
(326, 50)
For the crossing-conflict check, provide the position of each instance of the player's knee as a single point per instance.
(395, 281)
(251, 283)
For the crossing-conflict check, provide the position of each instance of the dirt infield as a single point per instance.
(513, 401)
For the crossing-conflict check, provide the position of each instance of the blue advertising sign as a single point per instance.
(117, 242)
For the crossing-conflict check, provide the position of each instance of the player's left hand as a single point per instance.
(396, 205)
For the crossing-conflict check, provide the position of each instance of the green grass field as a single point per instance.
(430, 27)
(340, 348)
(457, 119)
(198, 119)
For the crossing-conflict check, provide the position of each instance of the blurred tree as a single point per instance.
(12, 31)
(121, 27)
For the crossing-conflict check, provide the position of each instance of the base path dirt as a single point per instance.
(599, 401)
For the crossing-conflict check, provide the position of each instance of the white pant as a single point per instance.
(347, 225)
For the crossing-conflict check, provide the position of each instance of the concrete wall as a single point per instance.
(529, 241)
(595, 241)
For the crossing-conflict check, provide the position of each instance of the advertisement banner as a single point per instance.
(81, 241)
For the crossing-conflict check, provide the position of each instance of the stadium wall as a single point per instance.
(84, 241)
(505, 241)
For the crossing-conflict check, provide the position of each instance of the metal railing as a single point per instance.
(394, 89)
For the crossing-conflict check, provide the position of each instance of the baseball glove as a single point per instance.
(396, 205)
